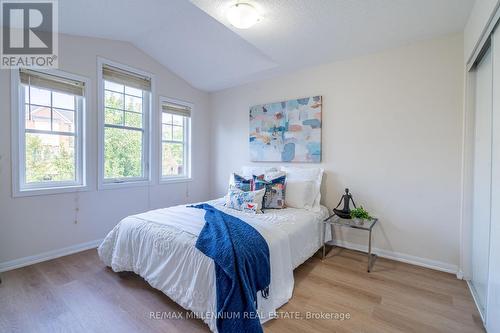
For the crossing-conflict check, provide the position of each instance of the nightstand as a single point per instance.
(368, 225)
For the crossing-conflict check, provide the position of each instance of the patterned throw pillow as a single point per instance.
(250, 202)
(242, 183)
(274, 184)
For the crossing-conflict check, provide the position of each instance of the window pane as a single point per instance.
(166, 118)
(166, 132)
(122, 153)
(63, 121)
(37, 117)
(178, 120)
(49, 157)
(173, 159)
(26, 93)
(63, 101)
(113, 100)
(133, 91)
(133, 119)
(113, 117)
(133, 103)
(39, 96)
(178, 133)
(108, 85)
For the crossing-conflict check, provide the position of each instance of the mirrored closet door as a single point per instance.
(493, 299)
(485, 228)
(482, 178)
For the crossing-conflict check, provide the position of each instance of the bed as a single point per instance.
(159, 246)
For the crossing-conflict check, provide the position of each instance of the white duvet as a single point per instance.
(160, 246)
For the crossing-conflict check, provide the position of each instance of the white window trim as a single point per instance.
(128, 182)
(187, 138)
(17, 140)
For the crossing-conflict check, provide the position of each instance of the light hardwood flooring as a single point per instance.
(77, 293)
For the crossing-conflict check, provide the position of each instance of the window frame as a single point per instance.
(18, 139)
(186, 177)
(146, 180)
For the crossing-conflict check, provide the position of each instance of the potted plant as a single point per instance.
(359, 215)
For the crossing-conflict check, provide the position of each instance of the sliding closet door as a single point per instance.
(493, 307)
(482, 180)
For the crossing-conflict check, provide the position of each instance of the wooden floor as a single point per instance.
(78, 293)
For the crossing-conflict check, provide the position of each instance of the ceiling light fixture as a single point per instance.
(242, 15)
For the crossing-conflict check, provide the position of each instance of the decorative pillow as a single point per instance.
(306, 175)
(250, 202)
(274, 184)
(242, 183)
(248, 171)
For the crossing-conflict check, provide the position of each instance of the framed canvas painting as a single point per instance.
(288, 131)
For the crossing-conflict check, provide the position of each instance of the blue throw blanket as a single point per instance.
(242, 268)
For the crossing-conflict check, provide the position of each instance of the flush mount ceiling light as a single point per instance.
(242, 15)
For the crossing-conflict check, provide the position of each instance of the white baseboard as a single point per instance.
(428, 263)
(30, 260)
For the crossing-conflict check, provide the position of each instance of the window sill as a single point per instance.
(174, 180)
(49, 191)
(123, 184)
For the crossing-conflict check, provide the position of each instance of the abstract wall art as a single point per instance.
(288, 131)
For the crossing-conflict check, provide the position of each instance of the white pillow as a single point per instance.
(249, 170)
(300, 194)
(314, 175)
(270, 175)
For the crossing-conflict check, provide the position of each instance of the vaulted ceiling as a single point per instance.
(194, 39)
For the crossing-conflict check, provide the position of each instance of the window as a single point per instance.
(175, 139)
(50, 119)
(126, 105)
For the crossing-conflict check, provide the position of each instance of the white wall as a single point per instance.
(392, 133)
(33, 225)
(479, 18)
